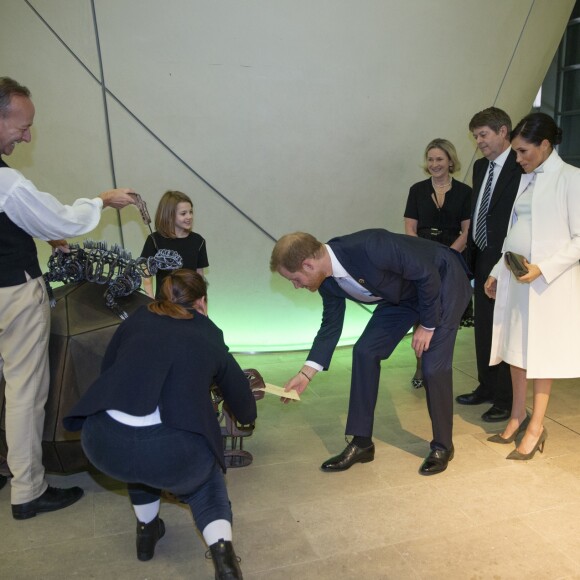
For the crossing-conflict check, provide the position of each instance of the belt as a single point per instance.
(436, 231)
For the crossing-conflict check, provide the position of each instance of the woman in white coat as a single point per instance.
(537, 315)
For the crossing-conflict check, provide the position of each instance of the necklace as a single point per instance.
(439, 196)
(440, 186)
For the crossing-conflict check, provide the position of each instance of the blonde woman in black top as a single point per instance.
(439, 209)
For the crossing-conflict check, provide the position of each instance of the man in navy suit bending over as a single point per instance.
(410, 280)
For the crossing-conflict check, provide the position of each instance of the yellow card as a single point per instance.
(280, 392)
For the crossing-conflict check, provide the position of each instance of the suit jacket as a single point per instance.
(400, 269)
(498, 214)
(157, 361)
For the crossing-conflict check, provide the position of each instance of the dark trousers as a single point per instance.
(386, 328)
(495, 381)
(157, 457)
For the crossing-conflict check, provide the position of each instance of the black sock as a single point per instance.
(362, 442)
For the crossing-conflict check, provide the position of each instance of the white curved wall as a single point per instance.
(305, 115)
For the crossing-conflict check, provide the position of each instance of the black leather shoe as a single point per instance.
(3, 480)
(436, 461)
(147, 536)
(472, 399)
(225, 561)
(51, 500)
(496, 414)
(351, 455)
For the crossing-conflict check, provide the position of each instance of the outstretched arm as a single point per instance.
(299, 382)
(118, 198)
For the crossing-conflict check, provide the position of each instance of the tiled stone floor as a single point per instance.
(485, 517)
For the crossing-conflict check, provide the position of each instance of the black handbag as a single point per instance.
(515, 262)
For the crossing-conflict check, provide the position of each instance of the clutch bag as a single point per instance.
(515, 262)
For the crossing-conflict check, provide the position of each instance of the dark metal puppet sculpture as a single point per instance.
(115, 268)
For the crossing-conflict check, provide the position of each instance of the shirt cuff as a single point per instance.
(314, 365)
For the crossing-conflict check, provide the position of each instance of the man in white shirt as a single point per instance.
(26, 213)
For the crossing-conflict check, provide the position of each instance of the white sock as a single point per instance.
(216, 531)
(146, 512)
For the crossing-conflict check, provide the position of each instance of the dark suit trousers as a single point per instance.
(494, 381)
(386, 328)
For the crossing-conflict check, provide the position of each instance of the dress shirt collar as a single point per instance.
(501, 158)
(338, 270)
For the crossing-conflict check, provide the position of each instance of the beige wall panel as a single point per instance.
(72, 21)
(311, 114)
(534, 55)
(68, 156)
(238, 253)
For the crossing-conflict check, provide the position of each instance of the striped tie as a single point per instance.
(481, 229)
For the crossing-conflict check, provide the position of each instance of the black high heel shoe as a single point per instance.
(497, 438)
(539, 446)
(417, 380)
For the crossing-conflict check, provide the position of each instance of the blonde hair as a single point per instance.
(166, 211)
(449, 150)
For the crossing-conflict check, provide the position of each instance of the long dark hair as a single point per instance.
(179, 291)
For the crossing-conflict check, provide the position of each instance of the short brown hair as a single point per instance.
(292, 249)
(449, 150)
(8, 88)
(493, 118)
(179, 290)
(166, 210)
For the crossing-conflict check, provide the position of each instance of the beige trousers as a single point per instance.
(24, 334)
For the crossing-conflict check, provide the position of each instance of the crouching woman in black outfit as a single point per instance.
(148, 420)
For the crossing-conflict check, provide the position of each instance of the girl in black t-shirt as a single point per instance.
(174, 222)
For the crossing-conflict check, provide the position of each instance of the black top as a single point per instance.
(455, 209)
(157, 361)
(18, 255)
(192, 249)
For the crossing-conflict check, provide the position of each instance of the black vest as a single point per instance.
(17, 252)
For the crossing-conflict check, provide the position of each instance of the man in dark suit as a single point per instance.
(495, 183)
(410, 280)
